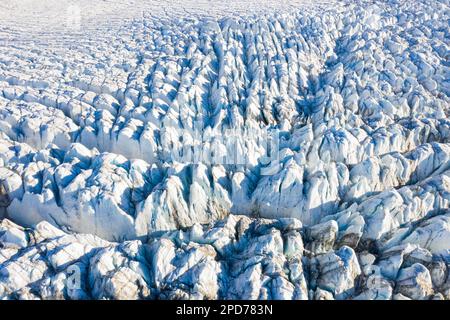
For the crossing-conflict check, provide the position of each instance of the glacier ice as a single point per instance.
(225, 150)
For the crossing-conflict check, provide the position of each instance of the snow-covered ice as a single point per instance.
(224, 149)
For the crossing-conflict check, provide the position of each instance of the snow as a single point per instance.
(238, 149)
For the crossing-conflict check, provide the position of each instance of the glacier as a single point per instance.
(238, 150)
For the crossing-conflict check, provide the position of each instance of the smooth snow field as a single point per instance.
(224, 149)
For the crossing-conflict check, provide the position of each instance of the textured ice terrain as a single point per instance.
(224, 150)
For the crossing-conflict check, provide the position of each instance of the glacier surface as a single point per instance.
(238, 150)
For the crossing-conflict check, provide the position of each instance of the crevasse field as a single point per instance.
(224, 149)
